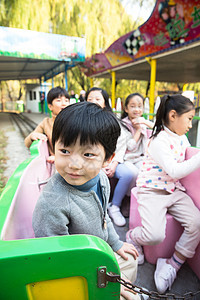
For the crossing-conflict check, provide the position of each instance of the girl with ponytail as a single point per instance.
(159, 189)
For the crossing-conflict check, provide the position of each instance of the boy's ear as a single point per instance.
(50, 106)
(106, 162)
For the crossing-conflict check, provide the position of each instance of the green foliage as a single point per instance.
(26, 14)
(193, 87)
(100, 22)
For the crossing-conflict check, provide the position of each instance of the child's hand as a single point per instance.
(142, 120)
(38, 136)
(136, 123)
(124, 290)
(51, 159)
(139, 120)
(127, 248)
(110, 170)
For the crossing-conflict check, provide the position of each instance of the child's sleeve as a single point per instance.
(132, 145)
(28, 141)
(160, 151)
(121, 146)
(113, 238)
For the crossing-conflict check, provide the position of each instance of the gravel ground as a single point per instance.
(15, 149)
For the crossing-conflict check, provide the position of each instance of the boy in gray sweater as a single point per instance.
(75, 199)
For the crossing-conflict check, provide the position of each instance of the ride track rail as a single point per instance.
(25, 125)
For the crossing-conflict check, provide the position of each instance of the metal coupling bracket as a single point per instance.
(104, 277)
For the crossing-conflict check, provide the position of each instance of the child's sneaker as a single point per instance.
(116, 216)
(164, 275)
(138, 247)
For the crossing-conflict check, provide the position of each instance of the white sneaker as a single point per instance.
(116, 216)
(130, 240)
(164, 275)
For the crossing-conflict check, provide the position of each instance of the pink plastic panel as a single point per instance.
(18, 224)
(192, 181)
(192, 185)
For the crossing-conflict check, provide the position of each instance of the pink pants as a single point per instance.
(153, 207)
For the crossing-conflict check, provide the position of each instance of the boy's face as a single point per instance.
(77, 163)
(58, 104)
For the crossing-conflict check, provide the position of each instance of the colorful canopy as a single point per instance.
(171, 35)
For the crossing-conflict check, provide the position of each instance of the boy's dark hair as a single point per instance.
(90, 122)
(177, 102)
(104, 94)
(124, 114)
(55, 93)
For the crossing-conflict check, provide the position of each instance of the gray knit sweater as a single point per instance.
(62, 209)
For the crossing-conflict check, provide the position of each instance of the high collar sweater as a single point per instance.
(63, 209)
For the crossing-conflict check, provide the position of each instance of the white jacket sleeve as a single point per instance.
(159, 149)
(121, 145)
